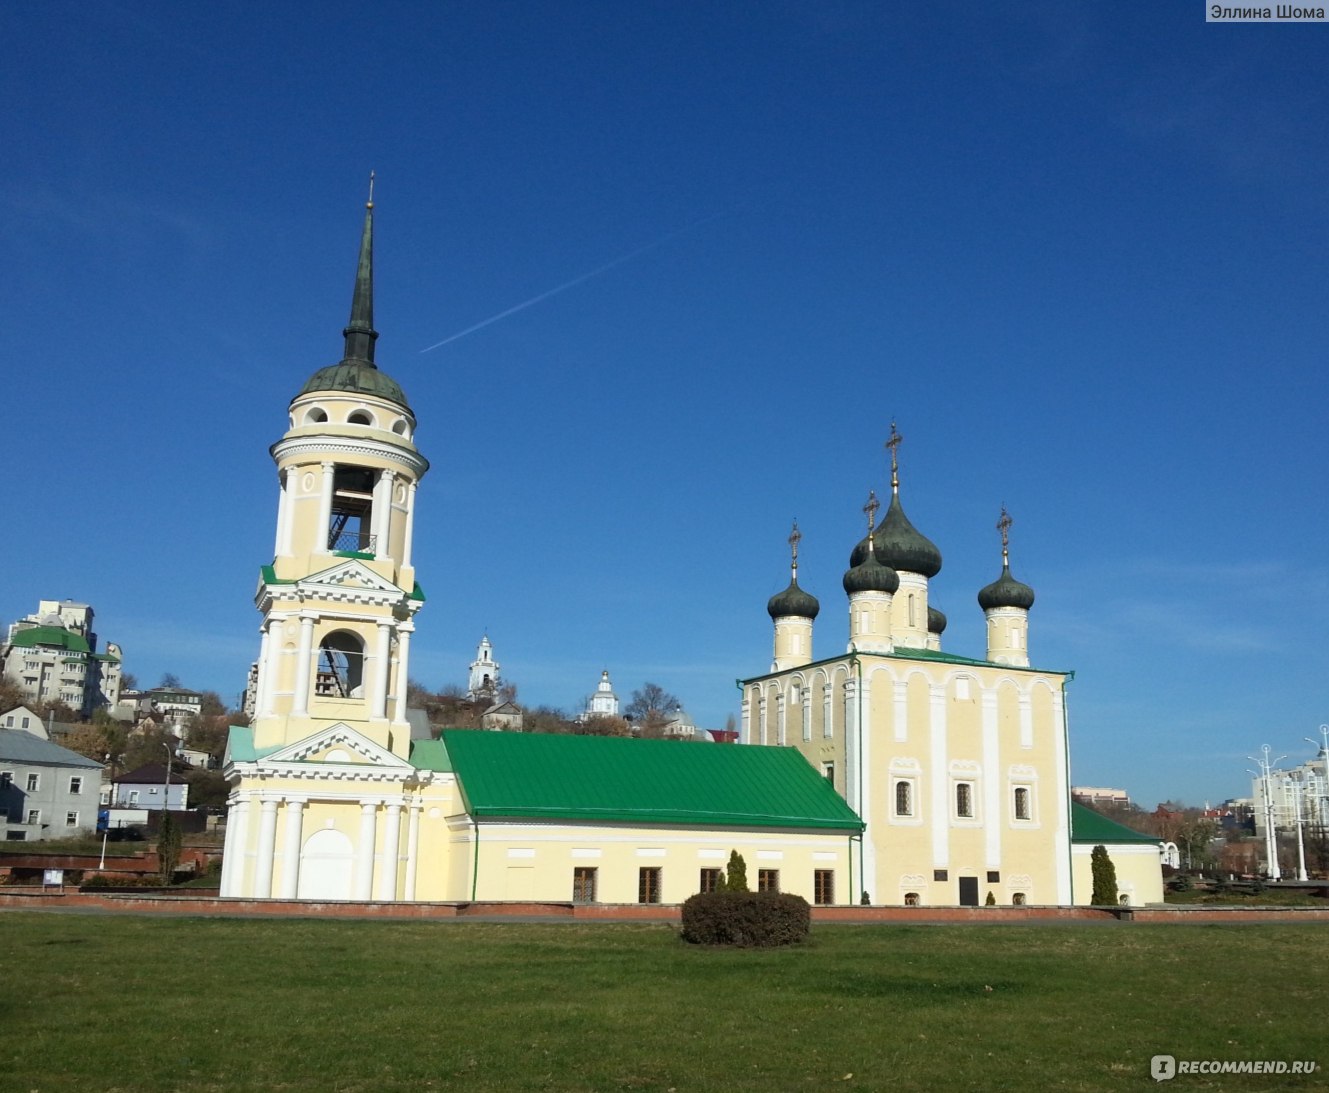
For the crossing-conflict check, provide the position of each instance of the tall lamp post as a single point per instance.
(1323, 745)
(1270, 832)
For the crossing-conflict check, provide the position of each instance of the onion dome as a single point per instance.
(936, 621)
(793, 601)
(356, 372)
(870, 575)
(1005, 591)
(898, 543)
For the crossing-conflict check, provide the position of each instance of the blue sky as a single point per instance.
(1076, 250)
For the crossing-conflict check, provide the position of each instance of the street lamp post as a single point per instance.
(1324, 789)
(1270, 831)
(1301, 845)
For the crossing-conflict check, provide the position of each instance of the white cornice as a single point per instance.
(322, 446)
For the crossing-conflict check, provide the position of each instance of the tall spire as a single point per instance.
(360, 333)
(894, 446)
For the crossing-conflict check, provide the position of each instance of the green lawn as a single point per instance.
(111, 1003)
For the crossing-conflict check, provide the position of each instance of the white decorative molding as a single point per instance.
(650, 852)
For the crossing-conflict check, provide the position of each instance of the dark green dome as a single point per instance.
(900, 545)
(936, 621)
(1006, 591)
(793, 601)
(870, 575)
(356, 377)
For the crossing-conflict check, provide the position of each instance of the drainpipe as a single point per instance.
(475, 866)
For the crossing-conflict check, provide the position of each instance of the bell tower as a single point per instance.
(340, 595)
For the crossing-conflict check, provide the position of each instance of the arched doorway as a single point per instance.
(325, 866)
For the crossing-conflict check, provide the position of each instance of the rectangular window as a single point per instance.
(133, 798)
(1022, 809)
(25, 722)
(34, 816)
(709, 880)
(71, 819)
(823, 886)
(6, 778)
(648, 884)
(75, 785)
(940, 874)
(768, 880)
(964, 800)
(583, 884)
(994, 876)
(904, 798)
(34, 782)
(828, 772)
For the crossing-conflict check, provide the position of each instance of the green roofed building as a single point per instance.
(52, 656)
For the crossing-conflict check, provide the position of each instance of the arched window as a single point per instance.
(911, 610)
(1022, 803)
(964, 799)
(341, 663)
(1017, 899)
(911, 899)
(904, 799)
(359, 417)
(316, 416)
(399, 426)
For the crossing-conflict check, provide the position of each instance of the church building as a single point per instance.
(892, 769)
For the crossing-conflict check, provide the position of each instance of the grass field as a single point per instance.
(110, 1003)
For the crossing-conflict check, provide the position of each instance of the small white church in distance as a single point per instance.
(885, 769)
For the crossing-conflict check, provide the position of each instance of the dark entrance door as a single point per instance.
(968, 891)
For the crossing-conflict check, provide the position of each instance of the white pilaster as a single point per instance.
(940, 779)
(994, 782)
(851, 743)
(283, 510)
(900, 692)
(267, 846)
(286, 517)
(412, 849)
(745, 720)
(304, 657)
(387, 876)
(292, 840)
(1062, 838)
(364, 853)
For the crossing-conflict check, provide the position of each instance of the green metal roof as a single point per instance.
(430, 755)
(601, 779)
(240, 745)
(1088, 826)
(50, 635)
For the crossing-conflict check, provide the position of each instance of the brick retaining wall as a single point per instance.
(189, 902)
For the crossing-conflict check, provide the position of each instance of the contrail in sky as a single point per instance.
(573, 283)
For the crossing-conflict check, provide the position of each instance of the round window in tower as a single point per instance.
(316, 415)
(359, 417)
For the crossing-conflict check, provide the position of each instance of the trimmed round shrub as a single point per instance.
(746, 919)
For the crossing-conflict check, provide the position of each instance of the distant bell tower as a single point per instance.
(339, 597)
(483, 681)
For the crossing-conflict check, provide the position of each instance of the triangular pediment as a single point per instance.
(351, 574)
(337, 744)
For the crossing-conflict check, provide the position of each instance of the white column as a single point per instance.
(283, 506)
(387, 876)
(262, 686)
(234, 852)
(412, 849)
(403, 660)
(286, 518)
(381, 654)
(292, 839)
(364, 853)
(324, 510)
(410, 524)
(267, 846)
(300, 705)
(383, 513)
(269, 673)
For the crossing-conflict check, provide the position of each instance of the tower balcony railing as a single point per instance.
(352, 541)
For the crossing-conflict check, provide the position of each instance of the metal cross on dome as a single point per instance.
(870, 510)
(893, 446)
